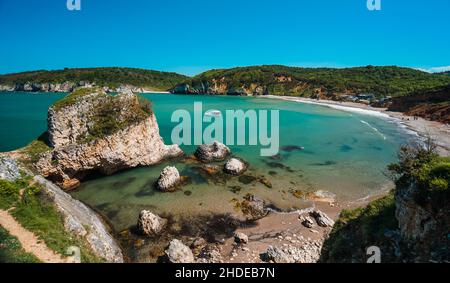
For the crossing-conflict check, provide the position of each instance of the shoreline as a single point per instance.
(439, 132)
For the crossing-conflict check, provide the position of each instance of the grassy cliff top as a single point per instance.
(283, 80)
(108, 114)
(111, 77)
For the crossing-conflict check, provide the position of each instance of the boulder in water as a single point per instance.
(169, 179)
(235, 166)
(177, 252)
(150, 224)
(213, 152)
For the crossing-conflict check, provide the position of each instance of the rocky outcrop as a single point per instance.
(67, 86)
(213, 152)
(235, 166)
(94, 132)
(8, 169)
(276, 255)
(150, 224)
(83, 222)
(168, 180)
(322, 219)
(307, 221)
(7, 88)
(240, 238)
(431, 104)
(177, 252)
(254, 208)
(424, 227)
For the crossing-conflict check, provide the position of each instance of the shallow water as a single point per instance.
(344, 153)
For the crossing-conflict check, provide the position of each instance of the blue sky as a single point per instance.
(190, 36)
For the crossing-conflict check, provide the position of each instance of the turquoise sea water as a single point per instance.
(344, 153)
(23, 117)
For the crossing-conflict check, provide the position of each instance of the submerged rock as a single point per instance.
(322, 196)
(213, 152)
(169, 179)
(150, 224)
(91, 131)
(8, 169)
(177, 252)
(235, 166)
(322, 219)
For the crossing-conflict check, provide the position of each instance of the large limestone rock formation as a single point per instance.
(91, 131)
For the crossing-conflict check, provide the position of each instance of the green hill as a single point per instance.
(325, 82)
(110, 77)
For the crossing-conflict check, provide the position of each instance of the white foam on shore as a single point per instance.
(374, 129)
(297, 211)
(338, 107)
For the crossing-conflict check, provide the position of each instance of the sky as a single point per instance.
(191, 36)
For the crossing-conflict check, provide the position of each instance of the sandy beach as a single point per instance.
(439, 132)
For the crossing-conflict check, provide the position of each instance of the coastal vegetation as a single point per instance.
(293, 81)
(108, 77)
(422, 188)
(28, 205)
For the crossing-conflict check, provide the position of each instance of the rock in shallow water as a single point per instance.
(177, 252)
(213, 152)
(150, 224)
(235, 166)
(169, 179)
(8, 169)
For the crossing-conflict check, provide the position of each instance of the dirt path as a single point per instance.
(29, 241)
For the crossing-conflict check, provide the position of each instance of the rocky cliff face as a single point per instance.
(424, 227)
(68, 86)
(432, 105)
(82, 222)
(220, 87)
(91, 131)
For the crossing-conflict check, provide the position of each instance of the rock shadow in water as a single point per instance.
(346, 148)
(326, 163)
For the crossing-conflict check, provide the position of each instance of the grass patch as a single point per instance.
(114, 114)
(73, 98)
(34, 213)
(35, 149)
(11, 250)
